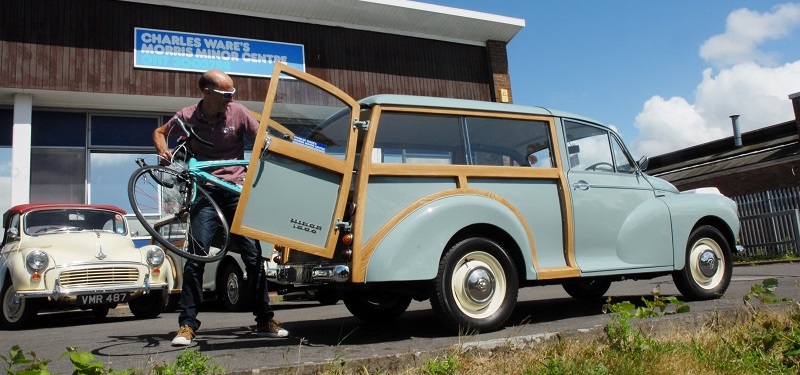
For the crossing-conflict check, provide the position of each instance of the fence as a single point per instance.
(770, 222)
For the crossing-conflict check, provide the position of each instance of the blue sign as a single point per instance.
(172, 50)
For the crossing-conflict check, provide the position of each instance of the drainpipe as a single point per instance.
(737, 134)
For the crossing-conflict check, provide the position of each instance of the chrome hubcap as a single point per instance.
(233, 288)
(479, 285)
(707, 263)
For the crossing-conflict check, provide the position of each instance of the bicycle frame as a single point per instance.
(197, 169)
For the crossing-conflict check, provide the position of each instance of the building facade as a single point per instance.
(84, 82)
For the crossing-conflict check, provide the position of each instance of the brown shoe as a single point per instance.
(271, 329)
(184, 337)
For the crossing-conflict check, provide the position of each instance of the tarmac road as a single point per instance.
(322, 334)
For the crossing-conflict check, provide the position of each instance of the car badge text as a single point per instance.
(304, 226)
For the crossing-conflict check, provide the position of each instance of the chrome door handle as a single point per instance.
(582, 185)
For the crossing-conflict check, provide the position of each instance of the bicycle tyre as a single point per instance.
(171, 193)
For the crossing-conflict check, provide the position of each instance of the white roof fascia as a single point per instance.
(399, 17)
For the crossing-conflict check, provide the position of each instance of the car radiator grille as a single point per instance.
(98, 277)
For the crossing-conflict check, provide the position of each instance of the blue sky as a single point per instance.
(667, 75)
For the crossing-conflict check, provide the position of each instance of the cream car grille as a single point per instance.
(98, 277)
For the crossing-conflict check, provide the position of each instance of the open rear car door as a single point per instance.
(301, 168)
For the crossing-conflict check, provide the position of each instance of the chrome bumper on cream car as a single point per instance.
(309, 273)
(72, 281)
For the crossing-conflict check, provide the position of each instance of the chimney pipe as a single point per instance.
(795, 98)
(737, 134)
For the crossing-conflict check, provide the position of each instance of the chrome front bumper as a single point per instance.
(309, 273)
(60, 294)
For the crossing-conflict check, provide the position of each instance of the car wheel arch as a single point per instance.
(713, 221)
(497, 235)
(438, 223)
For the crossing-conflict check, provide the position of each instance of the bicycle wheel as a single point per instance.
(166, 196)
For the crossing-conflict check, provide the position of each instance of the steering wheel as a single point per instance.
(594, 166)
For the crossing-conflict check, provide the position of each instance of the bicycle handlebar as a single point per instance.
(188, 131)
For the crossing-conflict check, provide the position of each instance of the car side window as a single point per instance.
(404, 138)
(589, 147)
(621, 160)
(509, 142)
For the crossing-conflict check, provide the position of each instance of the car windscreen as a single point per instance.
(73, 220)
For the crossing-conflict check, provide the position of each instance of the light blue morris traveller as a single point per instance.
(393, 198)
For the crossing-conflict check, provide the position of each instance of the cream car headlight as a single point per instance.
(37, 260)
(155, 256)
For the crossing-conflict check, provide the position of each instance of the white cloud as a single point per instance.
(666, 125)
(751, 85)
(745, 30)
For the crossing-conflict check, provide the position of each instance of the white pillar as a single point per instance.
(21, 150)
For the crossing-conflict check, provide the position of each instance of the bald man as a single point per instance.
(226, 124)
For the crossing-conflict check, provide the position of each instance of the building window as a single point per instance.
(115, 144)
(58, 157)
(58, 175)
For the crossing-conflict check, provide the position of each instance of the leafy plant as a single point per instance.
(190, 361)
(25, 365)
(764, 293)
(446, 366)
(85, 363)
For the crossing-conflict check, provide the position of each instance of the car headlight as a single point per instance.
(37, 260)
(155, 256)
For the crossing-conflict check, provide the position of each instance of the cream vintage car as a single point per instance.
(61, 256)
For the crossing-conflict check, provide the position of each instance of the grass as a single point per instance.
(759, 340)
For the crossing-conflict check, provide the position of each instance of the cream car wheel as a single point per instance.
(476, 286)
(707, 271)
(17, 312)
(706, 263)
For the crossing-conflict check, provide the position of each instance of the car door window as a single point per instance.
(622, 162)
(589, 148)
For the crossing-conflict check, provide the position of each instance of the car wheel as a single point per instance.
(476, 286)
(173, 303)
(327, 295)
(148, 306)
(232, 288)
(17, 312)
(586, 289)
(708, 268)
(100, 312)
(376, 307)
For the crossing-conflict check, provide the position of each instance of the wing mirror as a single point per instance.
(642, 163)
(12, 234)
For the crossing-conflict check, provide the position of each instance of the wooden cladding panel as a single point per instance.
(87, 45)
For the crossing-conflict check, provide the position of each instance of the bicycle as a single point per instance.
(173, 190)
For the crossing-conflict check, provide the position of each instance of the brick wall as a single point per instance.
(498, 64)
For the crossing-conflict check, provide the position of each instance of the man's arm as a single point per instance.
(160, 141)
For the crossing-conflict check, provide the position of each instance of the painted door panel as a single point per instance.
(301, 168)
(619, 223)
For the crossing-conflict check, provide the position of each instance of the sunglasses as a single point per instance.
(225, 94)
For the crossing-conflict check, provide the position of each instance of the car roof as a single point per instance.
(475, 105)
(28, 207)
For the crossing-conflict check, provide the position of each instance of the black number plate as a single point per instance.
(102, 299)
